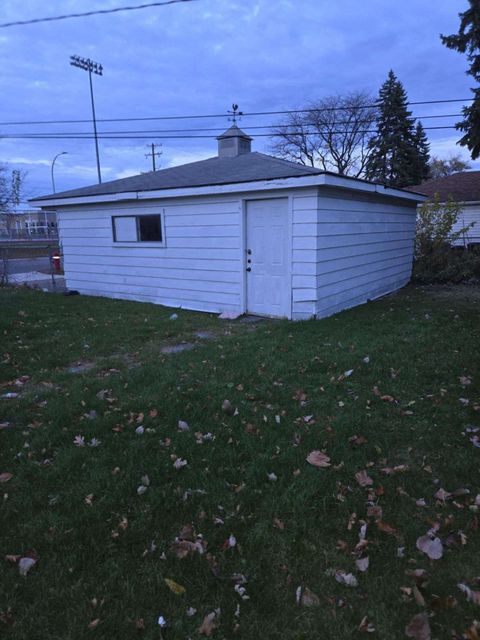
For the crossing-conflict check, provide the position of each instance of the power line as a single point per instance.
(67, 16)
(224, 115)
(132, 136)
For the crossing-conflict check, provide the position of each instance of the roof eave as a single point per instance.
(319, 180)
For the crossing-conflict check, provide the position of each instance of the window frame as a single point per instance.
(138, 242)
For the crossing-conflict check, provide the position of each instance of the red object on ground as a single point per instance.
(56, 263)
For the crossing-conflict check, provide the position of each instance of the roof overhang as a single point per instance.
(320, 180)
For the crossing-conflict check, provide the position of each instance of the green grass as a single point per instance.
(419, 342)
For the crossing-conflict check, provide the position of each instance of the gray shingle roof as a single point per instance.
(463, 187)
(247, 167)
(233, 132)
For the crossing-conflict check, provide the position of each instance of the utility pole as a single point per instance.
(153, 153)
(89, 65)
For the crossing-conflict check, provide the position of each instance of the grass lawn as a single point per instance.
(388, 391)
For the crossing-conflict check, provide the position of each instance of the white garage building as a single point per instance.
(240, 232)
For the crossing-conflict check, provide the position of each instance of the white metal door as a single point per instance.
(268, 285)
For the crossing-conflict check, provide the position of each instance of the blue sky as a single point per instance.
(198, 58)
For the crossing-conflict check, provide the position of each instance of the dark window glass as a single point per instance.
(149, 229)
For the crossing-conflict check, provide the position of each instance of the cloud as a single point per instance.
(198, 58)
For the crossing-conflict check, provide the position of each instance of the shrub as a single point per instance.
(436, 259)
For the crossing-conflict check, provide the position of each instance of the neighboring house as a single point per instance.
(464, 188)
(25, 224)
(240, 232)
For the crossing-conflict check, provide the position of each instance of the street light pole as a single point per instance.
(62, 153)
(92, 67)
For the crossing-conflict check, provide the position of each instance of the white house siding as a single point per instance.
(304, 253)
(470, 213)
(364, 248)
(199, 268)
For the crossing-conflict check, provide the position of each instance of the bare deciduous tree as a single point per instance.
(442, 167)
(333, 134)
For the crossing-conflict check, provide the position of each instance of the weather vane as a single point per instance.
(235, 113)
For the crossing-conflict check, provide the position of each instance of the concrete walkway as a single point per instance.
(38, 280)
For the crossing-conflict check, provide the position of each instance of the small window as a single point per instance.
(147, 228)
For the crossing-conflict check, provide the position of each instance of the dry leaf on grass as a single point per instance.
(184, 548)
(442, 495)
(318, 459)
(176, 588)
(348, 579)
(419, 627)
(363, 478)
(179, 463)
(431, 546)
(472, 596)
(307, 598)
(228, 408)
(5, 477)
(362, 563)
(208, 625)
(25, 564)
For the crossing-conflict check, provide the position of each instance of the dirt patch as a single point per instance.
(452, 291)
(82, 366)
(178, 348)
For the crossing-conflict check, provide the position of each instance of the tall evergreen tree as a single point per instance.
(422, 147)
(468, 41)
(399, 151)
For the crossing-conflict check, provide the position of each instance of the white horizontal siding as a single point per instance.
(364, 249)
(469, 214)
(197, 268)
(304, 254)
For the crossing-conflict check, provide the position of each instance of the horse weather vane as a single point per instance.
(235, 113)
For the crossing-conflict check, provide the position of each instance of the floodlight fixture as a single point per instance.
(92, 67)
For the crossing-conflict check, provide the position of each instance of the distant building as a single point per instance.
(464, 188)
(24, 224)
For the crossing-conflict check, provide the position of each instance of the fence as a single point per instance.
(33, 262)
(32, 233)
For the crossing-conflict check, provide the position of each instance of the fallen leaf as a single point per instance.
(176, 588)
(419, 599)
(79, 441)
(431, 546)
(208, 625)
(25, 564)
(179, 463)
(183, 426)
(386, 528)
(94, 623)
(363, 478)
(348, 579)
(366, 626)
(471, 594)
(442, 495)
(5, 477)
(318, 459)
(419, 627)
(228, 408)
(308, 598)
(362, 563)
(357, 440)
(184, 548)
